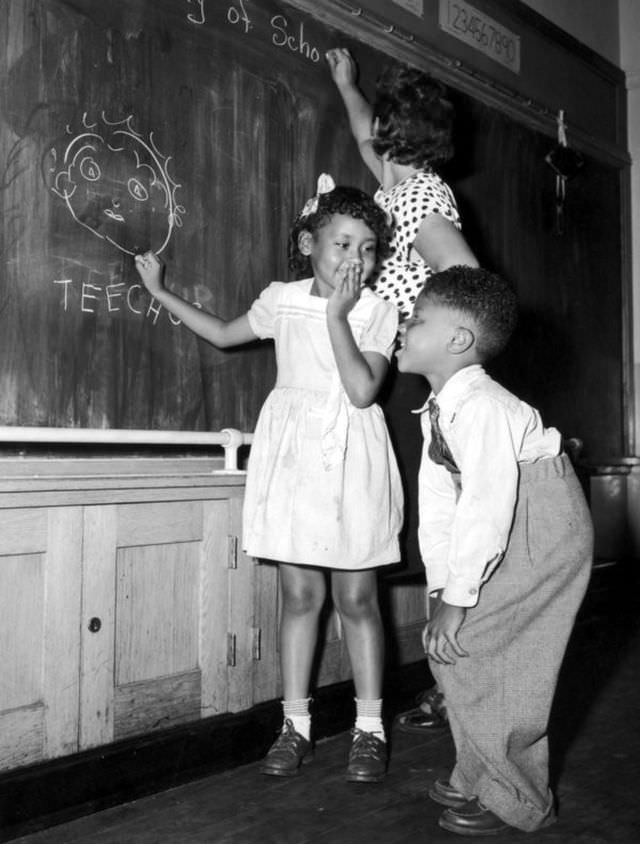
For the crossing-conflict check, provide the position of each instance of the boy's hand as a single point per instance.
(150, 270)
(342, 66)
(347, 290)
(440, 636)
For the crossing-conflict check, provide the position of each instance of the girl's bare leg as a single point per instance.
(355, 595)
(303, 595)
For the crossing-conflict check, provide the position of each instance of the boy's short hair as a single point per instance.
(488, 299)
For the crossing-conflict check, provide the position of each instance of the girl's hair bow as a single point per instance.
(325, 185)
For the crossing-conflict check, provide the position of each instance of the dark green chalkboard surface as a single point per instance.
(198, 128)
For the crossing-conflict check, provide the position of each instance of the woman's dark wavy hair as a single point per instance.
(341, 200)
(486, 298)
(415, 119)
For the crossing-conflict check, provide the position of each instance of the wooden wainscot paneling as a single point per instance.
(156, 704)
(119, 618)
(334, 659)
(407, 609)
(266, 678)
(98, 625)
(62, 637)
(39, 636)
(175, 604)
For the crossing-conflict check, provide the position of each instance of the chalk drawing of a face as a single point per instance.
(116, 185)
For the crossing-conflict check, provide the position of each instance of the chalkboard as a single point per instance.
(198, 129)
(195, 129)
(566, 356)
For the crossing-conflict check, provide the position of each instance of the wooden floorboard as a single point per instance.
(596, 739)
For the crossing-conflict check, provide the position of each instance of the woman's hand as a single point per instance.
(150, 269)
(342, 66)
(344, 71)
(347, 290)
(440, 636)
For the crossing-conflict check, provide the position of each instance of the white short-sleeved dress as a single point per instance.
(404, 272)
(323, 486)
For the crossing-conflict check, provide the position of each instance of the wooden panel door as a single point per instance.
(407, 608)
(334, 663)
(40, 565)
(167, 617)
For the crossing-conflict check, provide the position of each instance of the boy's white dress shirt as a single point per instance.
(489, 432)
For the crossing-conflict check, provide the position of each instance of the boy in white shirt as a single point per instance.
(507, 540)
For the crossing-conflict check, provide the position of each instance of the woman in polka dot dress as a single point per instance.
(402, 137)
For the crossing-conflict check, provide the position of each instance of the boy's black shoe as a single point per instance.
(286, 754)
(444, 793)
(472, 819)
(367, 758)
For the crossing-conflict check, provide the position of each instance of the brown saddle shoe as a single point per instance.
(367, 758)
(287, 753)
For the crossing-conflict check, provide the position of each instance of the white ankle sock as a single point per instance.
(297, 711)
(369, 717)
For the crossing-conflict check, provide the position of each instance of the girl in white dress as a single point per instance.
(323, 490)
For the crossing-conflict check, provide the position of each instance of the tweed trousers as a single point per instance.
(499, 697)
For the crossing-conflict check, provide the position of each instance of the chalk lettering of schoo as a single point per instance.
(297, 43)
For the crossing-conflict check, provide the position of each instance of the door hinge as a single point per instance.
(231, 649)
(256, 643)
(232, 552)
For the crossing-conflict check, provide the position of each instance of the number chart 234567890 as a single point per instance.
(481, 32)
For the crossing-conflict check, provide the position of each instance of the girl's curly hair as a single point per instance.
(341, 200)
(415, 119)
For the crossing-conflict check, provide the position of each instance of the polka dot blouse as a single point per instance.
(404, 272)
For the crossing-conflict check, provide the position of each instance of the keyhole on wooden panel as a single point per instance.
(95, 624)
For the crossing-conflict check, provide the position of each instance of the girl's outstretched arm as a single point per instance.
(359, 111)
(210, 327)
(361, 373)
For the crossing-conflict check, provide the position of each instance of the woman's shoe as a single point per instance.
(430, 714)
(367, 758)
(287, 753)
(472, 819)
(444, 793)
